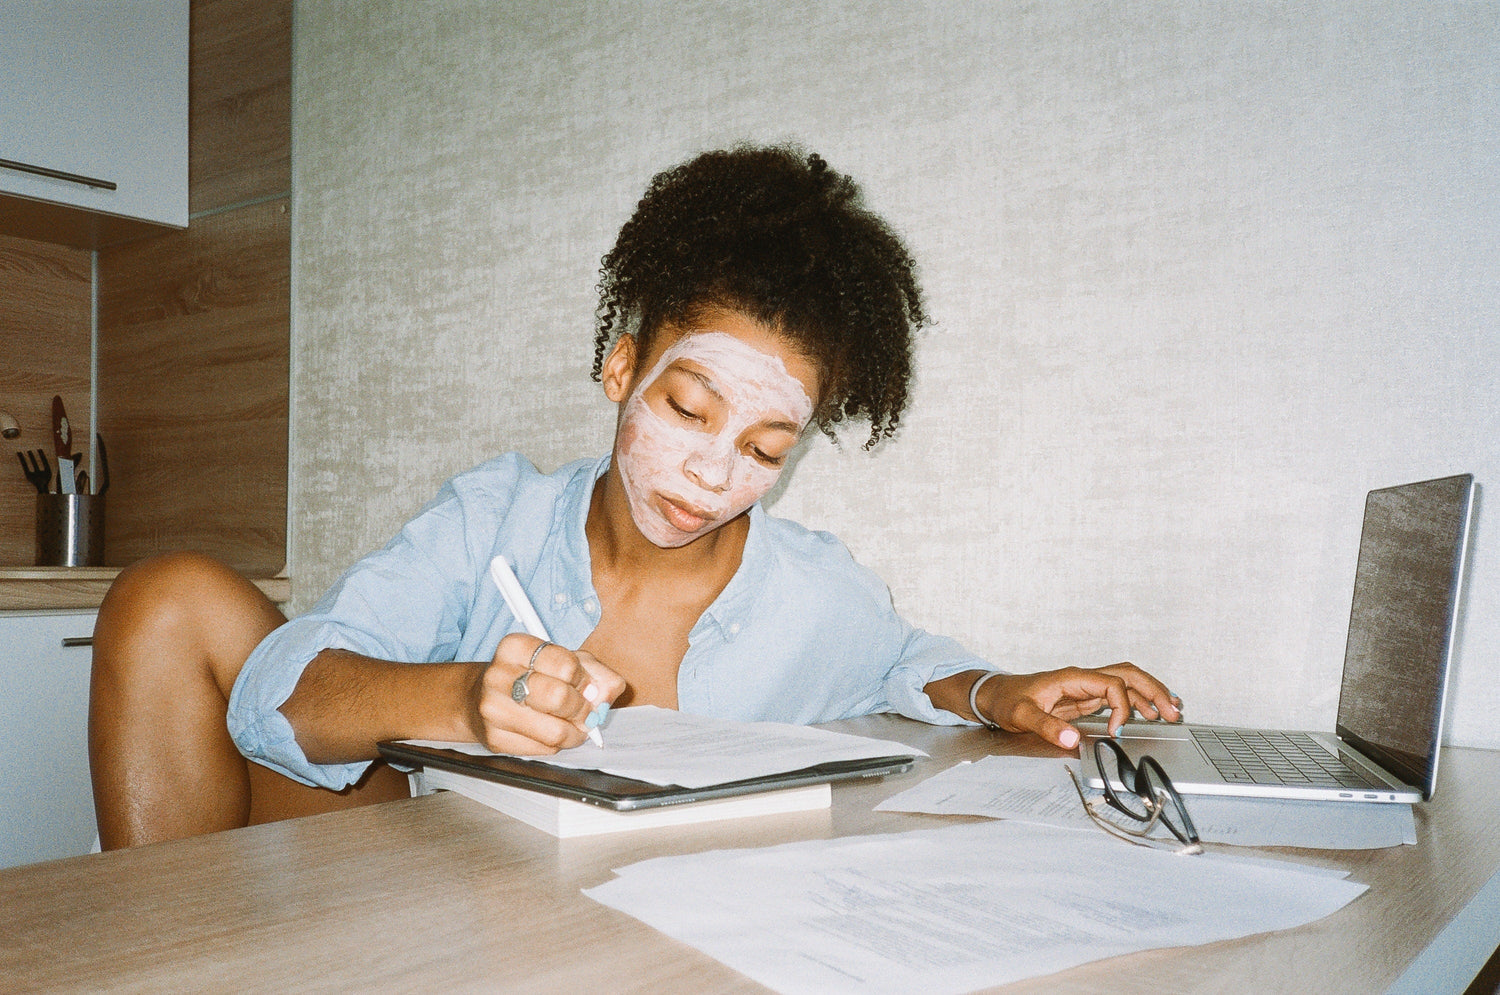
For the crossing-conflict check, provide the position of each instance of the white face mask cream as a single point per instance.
(703, 434)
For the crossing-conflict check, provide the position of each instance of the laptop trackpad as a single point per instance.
(1136, 729)
(1155, 730)
(1171, 745)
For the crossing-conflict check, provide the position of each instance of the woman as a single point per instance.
(749, 298)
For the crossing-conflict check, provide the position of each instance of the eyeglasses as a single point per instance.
(1145, 796)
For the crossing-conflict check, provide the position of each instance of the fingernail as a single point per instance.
(1069, 738)
(591, 693)
(596, 717)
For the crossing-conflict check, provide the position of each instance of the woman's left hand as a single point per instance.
(1046, 703)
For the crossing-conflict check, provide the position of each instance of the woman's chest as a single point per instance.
(642, 635)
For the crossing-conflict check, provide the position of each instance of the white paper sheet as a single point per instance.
(955, 909)
(1033, 789)
(664, 746)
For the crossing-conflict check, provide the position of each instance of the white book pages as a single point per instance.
(564, 817)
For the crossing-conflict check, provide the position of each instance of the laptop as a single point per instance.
(1407, 589)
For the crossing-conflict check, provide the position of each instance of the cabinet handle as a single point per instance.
(71, 641)
(57, 174)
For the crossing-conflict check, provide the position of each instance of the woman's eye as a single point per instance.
(767, 460)
(683, 412)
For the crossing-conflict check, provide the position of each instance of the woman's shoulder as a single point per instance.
(513, 475)
(794, 537)
(812, 556)
(504, 487)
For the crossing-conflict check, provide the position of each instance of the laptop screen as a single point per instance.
(1402, 624)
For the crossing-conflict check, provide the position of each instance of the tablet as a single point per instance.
(624, 794)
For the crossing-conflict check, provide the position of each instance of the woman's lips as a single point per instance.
(682, 516)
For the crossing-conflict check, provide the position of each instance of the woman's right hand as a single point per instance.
(563, 688)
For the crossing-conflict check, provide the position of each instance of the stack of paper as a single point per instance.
(695, 755)
(952, 910)
(664, 746)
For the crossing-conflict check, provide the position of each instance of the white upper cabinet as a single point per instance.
(93, 117)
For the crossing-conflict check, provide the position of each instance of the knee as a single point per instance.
(176, 606)
(159, 594)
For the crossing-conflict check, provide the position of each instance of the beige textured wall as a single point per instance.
(1203, 275)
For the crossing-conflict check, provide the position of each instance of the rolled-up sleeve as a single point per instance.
(408, 602)
(926, 658)
(270, 675)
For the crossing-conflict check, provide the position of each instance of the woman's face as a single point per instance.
(705, 431)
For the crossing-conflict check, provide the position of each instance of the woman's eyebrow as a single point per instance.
(703, 379)
(791, 428)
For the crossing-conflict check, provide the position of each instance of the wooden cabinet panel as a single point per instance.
(193, 389)
(241, 115)
(44, 339)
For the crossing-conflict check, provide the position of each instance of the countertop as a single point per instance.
(45, 588)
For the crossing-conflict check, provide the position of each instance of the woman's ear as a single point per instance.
(618, 372)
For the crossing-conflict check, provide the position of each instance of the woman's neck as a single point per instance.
(616, 545)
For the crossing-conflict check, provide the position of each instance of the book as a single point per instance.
(564, 817)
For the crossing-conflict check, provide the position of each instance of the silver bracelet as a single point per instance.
(974, 698)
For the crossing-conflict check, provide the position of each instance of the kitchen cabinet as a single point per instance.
(46, 798)
(94, 119)
(189, 366)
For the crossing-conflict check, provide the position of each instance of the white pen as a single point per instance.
(520, 606)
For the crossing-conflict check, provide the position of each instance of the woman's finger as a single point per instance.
(1145, 688)
(1029, 717)
(607, 685)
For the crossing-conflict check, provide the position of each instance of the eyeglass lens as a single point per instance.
(1115, 767)
(1147, 789)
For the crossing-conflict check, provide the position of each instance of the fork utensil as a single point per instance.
(38, 471)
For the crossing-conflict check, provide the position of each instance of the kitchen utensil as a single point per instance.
(62, 431)
(38, 471)
(103, 466)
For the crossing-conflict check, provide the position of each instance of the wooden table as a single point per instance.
(442, 894)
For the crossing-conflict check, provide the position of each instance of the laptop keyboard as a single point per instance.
(1251, 756)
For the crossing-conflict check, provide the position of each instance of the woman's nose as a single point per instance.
(710, 468)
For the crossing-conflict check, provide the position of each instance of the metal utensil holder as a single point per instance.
(70, 530)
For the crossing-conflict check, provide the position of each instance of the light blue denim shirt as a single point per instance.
(800, 634)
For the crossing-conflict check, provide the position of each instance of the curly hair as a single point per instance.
(777, 235)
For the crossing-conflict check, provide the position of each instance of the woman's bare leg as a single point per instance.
(172, 635)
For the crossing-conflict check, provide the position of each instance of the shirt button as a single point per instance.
(590, 606)
(734, 628)
(559, 598)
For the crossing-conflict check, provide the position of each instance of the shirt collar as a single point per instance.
(736, 602)
(573, 570)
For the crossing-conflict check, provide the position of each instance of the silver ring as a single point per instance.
(518, 688)
(531, 664)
